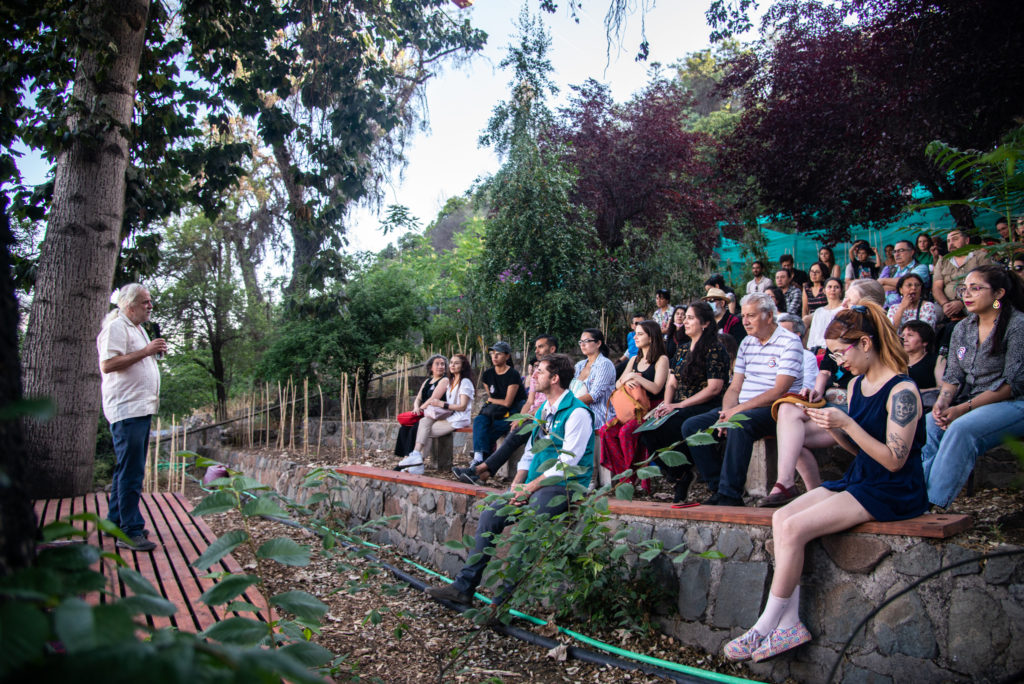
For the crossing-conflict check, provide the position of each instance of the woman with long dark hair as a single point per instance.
(675, 334)
(828, 257)
(594, 380)
(912, 305)
(433, 387)
(648, 370)
(698, 373)
(885, 481)
(814, 291)
(981, 398)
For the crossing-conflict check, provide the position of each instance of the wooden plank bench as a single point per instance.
(180, 539)
(933, 526)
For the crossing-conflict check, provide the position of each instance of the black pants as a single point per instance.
(671, 431)
(501, 455)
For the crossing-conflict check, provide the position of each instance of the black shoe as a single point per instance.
(467, 475)
(139, 543)
(717, 499)
(682, 487)
(450, 593)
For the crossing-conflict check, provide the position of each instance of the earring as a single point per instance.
(996, 304)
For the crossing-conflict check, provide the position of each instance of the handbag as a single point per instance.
(492, 410)
(630, 403)
(436, 412)
(408, 418)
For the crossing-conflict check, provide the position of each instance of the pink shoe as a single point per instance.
(781, 640)
(742, 647)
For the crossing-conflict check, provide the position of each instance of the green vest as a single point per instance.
(557, 435)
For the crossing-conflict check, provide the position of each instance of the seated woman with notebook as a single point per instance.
(698, 373)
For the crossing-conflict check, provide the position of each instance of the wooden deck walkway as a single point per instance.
(180, 540)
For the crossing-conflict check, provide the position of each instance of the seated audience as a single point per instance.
(861, 265)
(675, 330)
(716, 280)
(792, 292)
(505, 396)
(571, 432)
(433, 387)
(699, 372)
(981, 398)
(798, 277)
(824, 315)
(917, 338)
(937, 250)
(595, 375)
(760, 282)
(950, 272)
(885, 481)
(795, 325)
(724, 320)
(924, 251)
(814, 292)
(828, 257)
(630, 344)
(620, 448)
(480, 471)
(778, 297)
(890, 257)
(769, 362)
(905, 264)
(449, 413)
(864, 289)
(663, 313)
(912, 306)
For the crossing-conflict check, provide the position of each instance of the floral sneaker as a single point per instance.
(781, 640)
(743, 647)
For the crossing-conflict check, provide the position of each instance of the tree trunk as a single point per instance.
(79, 253)
(17, 519)
(305, 239)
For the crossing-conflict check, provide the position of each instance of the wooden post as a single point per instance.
(320, 428)
(184, 447)
(171, 457)
(295, 392)
(305, 419)
(156, 457)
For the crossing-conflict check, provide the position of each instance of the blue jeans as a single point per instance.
(130, 438)
(487, 431)
(491, 525)
(728, 477)
(949, 455)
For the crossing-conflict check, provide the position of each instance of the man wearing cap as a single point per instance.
(505, 396)
(727, 322)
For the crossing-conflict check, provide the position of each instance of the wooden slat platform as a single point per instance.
(180, 540)
(934, 526)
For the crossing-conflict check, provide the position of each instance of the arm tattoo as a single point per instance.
(900, 449)
(904, 407)
(946, 393)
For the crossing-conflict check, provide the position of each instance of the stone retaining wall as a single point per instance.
(966, 625)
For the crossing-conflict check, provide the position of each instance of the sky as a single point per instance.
(444, 161)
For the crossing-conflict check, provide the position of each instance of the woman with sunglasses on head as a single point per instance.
(884, 482)
(981, 398)
(648, 370)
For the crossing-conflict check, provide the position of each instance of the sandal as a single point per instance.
(780, 496)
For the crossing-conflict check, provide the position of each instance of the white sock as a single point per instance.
(791, 615)
(478, 457)
(773, 611)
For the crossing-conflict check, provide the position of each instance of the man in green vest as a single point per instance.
(569, 424)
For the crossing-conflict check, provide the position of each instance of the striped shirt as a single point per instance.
(599, 385)
(760, 363)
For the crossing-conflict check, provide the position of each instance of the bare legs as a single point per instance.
(796, 435)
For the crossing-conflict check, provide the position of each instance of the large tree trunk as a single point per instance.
(79, 253)
(306, 240)
(17, 520)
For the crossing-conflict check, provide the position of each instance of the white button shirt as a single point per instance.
(134, 391)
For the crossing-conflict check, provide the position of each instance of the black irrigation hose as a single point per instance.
(582, 654)
(913, 585)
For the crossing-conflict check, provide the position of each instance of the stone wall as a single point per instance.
(965, 625)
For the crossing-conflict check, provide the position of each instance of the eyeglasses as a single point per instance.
(839, 357)
(587, 341)
(961, 290)
(1018, 267)
(902, 249)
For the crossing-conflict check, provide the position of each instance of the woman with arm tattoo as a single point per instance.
(981, 397)
(885, 481)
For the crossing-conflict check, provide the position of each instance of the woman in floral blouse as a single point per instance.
(698, 373)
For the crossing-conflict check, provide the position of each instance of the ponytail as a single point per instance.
(869, 319)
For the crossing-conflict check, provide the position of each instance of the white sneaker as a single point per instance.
(414, 458)
(415, 470)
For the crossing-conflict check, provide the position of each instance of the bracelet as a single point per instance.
(446, 406)
(970, 403)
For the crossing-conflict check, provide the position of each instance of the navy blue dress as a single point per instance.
(884, 494)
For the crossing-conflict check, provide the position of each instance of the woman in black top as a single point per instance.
(676, 335)
(505, 396)
(918, 337)
(699, 371)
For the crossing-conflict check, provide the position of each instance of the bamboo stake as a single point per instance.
(156, 456)
(184, 447)
(173, 456)
(358, 413)
(305, 419)
(295, 391)
(280, 417)
(342, 399)
(320, 427)
(266, 417)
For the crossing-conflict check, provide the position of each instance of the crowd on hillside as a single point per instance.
(911, 360)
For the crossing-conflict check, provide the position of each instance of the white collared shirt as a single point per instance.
(135, 390)
(579, 428)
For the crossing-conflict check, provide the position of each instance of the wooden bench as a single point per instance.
(933, 526)
(180, 539)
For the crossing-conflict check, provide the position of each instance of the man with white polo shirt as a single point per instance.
(768, 363)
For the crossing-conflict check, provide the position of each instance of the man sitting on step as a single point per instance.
(569, 424)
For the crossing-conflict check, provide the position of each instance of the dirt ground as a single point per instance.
(391, 633)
